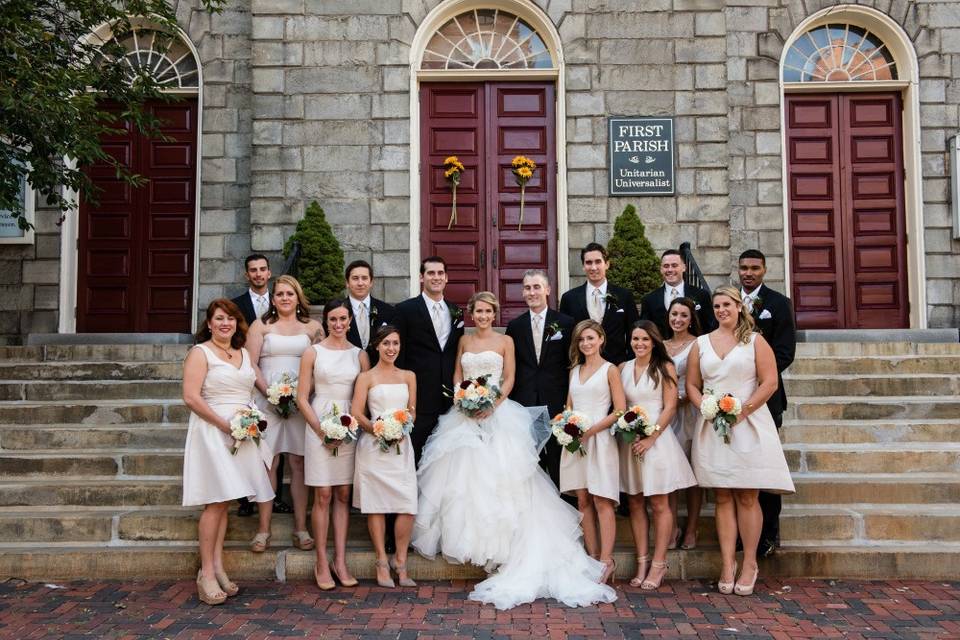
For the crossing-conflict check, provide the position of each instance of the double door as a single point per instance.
(845, 185)
(486, 125)
(135, 250)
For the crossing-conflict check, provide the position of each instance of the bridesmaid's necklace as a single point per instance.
(225, 352)
(682, 346)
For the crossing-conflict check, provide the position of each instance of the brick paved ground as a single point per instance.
(783, 609)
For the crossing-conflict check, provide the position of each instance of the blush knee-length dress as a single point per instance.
(281, 354)
(334, 372)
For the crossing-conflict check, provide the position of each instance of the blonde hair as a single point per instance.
(745, 324)
(483, 296)
(303, 305)
(575, 356)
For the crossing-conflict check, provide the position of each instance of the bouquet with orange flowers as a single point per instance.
(568, 427)
(475, 395)
(722, 411)
(247, 424)
(452, 169)
(632, 423)
(282, 394)
(392, 427)
(523, 168)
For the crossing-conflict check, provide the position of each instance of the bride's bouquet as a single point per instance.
(568, 427)
(632, 423)
(338, 427)
(722, 411)
(392, 427)
(282, 394)
(247, 424)
(476, 395)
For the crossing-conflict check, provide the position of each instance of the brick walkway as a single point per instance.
(783, 609)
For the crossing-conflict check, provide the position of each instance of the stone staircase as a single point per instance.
(91, 447)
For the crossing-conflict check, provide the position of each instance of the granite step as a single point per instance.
(872, 408)
(867, 431)
(97, 371)
(72, 390)
(94, 353)
(818, 385)
(144, 435)
(874, 458)
(875, 365)
(93, 412)
(874, 488)
(864, 349)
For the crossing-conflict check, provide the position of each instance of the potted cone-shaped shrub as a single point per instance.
(320, 268)
(633, 262)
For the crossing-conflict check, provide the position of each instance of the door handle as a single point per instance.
(494, 258)
(483, 258)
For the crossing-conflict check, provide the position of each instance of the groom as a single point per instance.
(541, 339)
(430, 330)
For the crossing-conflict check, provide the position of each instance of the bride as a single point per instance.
(484, 499)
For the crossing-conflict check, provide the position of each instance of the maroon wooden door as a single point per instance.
(135, 263)
(486, 125)
(846, 202)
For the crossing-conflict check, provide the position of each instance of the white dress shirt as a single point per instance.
(590, 295)
(445, 319)
(367, 305)
(668, 293)
(257, 300)
(750, 298)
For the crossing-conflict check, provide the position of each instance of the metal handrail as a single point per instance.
(291, 266)
(694, 276)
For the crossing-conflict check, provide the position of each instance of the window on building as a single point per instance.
(486, 39)
(10, 231)
(160, 55)
(838, 53)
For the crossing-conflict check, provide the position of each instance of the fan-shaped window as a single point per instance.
(166, 58)
(838, 53)
(486, 39)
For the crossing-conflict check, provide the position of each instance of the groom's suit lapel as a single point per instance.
(528, 337)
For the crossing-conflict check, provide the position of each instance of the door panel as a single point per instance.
(486, 125)
(848, 236)
(136, 244)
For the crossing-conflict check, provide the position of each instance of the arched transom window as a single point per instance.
(486, 39)
(838, 53)
(160, 55)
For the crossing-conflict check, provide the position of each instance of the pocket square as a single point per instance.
(696, 307)
(556, 336)
(460, 325)
(765, 314)
(619, 310)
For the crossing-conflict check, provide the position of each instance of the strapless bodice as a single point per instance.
(484, 363)
(386, 397)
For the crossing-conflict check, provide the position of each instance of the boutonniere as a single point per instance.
(456, 314)
(611, 301)
(373, 316)
(552, 329)
(756, 306)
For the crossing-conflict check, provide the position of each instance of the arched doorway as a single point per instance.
(485, 81)
(851, 172)
(135, 262)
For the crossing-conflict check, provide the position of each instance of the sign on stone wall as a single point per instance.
(641, 156)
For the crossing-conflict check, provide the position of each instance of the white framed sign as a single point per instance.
(10, 232)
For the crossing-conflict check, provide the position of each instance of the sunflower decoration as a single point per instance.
(523, 168)
(452, 170)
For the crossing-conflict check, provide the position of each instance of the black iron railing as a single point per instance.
(291, 267)
(693, 276)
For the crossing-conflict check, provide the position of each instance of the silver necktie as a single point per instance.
(363, 325)
(537, 336)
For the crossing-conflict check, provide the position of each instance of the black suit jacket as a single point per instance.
(651, 307)
(617, 319)
(381, 313)
(777, 326)
(246, 306)
(544, 382)
(420, 352)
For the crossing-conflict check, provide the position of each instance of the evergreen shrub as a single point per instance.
(634, 264)
(320, 269)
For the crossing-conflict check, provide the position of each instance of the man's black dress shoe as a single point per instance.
(766, 548)
(279, 506)
(246, 508)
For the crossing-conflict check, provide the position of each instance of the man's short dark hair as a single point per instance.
(253, 257)
(356, 264)
(593, 246)
(671, 252)
(755, 254)
(423, 265)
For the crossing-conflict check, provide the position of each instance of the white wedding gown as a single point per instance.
(485, 500)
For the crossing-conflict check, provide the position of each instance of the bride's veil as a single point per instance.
(539, 425)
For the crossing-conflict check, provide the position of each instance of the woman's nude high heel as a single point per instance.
(642, 563)
(205, 596)
(726, 588)
(388, 583)
(747, 589)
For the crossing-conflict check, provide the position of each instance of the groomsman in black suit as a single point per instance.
(369, 314)
(255, 301)
(773, 313)
(430, 330)
(610, 305)
(541, 339)
(654, 305)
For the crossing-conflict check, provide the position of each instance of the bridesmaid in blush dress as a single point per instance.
(594, 478)
(385, 482)
(733, 359)
(330, 369)
(653, 466)
(683, 327)
(218, 378)
(276, 342)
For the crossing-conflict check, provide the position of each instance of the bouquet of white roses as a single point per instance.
(282, 394)
(338, 427)
(247, 424)
(475, 395)
(568, 427)
(392, 427)
(632, 423)
(722, 411)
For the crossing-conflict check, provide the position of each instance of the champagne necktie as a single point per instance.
(537, 336)
(437, 321)
(596, 309)
(363, 325)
